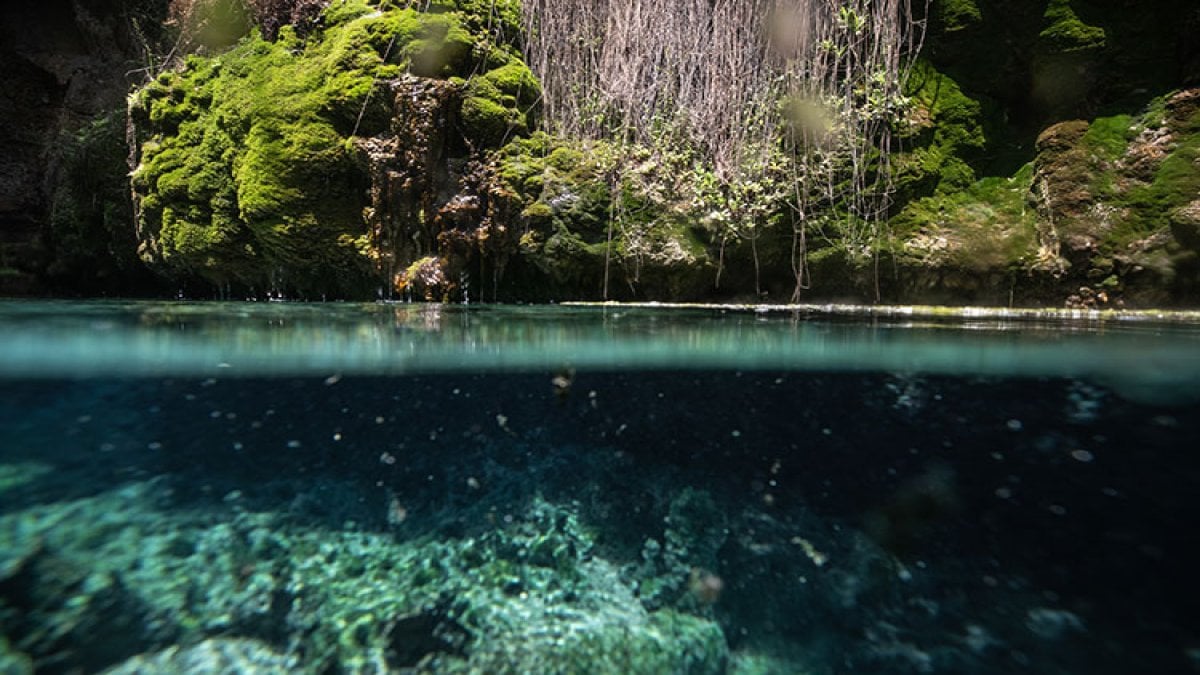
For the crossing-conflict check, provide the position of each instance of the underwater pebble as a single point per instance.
(1052, 624)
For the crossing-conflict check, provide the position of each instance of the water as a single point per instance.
(275, 487)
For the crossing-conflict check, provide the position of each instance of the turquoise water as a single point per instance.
(284, 487)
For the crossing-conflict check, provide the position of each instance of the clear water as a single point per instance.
(275, 487)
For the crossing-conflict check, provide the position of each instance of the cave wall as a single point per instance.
(67, 66)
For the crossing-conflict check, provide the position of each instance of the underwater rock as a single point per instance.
(214, 656)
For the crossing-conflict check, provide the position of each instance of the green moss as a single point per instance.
(490, 122)
(1109, 137)
(1065, 32)
(985, 227)
(499, 104)
(943, 133)
(247, 172)
(1176, 183)
(442, 47)
(343, 11)
(956, 15)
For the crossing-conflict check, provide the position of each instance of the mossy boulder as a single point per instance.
(248, 173)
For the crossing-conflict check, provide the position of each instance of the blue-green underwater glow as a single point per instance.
(285, 487)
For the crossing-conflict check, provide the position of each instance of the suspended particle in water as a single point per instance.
(396, 512)
(1014, 425)
(705, 586)
(293, 444)
(387, 458)
(1082, 455)
(333, 379)
(561, 383)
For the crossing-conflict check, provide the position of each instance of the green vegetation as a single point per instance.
(249, 174)
(1065, 32)
(597, 219)
(956, 15)
(325, 163)
(943, 130)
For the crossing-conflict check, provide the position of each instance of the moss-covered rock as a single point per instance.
(247, 172)
(942, 132)
(1104, 214)
(596, 221)
(1066, 32)
(499, 104)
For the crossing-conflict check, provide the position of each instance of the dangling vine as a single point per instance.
(776, 100)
